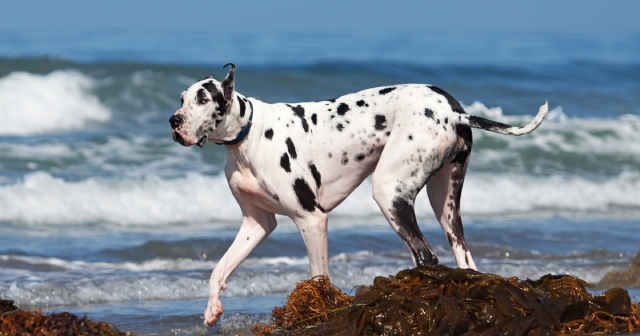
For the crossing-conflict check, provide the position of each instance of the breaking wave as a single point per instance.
(58, 101)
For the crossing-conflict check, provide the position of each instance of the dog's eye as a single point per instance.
(203, 101)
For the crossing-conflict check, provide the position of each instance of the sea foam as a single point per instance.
(58, 101)
(152, 200)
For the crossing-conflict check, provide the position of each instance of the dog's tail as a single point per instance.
(494, 126)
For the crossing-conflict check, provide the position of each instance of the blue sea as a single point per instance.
(102, 214)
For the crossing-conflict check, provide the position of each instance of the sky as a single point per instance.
(335, 16)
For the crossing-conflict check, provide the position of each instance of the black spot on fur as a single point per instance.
(339, 127)
(446, 120)
(268, 134)
(380, 122)
(305, 195)
(299, 111)
(202, 94)
(321, 208)
(344, 159)
(210, 87)
(464, 132)
(315, 173)
(359, 157)
(342, 109)
(243, 107)
(291, 148)
(487, 124)
(222, 103)
(387, 90)
(410, 137)
(409, 231)
(455, 106)
(428, 113)
(360, 103)
(284, 163)
(329, 155)
(314, 119)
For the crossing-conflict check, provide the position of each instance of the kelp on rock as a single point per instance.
(17, 322)
(444, 301)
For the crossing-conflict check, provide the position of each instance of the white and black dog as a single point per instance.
(301, 160)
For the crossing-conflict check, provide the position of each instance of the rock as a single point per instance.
(629, 278)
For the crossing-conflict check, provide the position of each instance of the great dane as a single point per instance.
(302, 159)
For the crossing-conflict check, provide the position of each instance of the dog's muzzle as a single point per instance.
(176, 120)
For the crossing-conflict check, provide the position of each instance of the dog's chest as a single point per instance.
(243, 182)
(246, 186)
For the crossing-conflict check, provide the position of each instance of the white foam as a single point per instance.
(58, 101)
(198, 198)
(512, 194)
(129, 157)
(51, 264)
(45, 292)
(149, 200)
(560, 133)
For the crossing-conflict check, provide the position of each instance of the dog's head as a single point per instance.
(207, 112)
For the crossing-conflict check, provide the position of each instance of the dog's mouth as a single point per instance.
(177, 137)
(202, 141)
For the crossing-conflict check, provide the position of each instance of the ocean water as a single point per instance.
(102, 214)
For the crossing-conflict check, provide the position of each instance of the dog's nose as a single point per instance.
(176, 120)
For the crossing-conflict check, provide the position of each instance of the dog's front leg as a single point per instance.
(256, 225)
(314, 233)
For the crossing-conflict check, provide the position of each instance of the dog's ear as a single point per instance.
(227, 83)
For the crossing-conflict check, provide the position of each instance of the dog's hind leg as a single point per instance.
(400, 174)
(444, 190)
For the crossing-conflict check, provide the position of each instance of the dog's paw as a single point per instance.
(213, 312)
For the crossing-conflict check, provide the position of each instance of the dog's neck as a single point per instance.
(236, 125)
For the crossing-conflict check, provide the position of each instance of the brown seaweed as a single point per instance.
(14, 321)
(443, 301)
(312, 302)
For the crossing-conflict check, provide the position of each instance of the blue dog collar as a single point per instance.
(244, 131)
